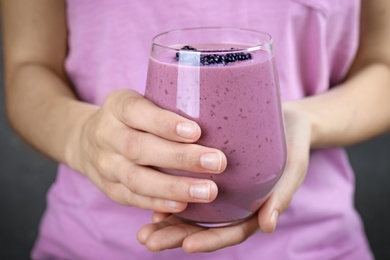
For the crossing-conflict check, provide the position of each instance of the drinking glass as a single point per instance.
(224, 79)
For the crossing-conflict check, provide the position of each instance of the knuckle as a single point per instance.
(175, 187)
(100, 133)
(178, 189)
(103, 164)
(161, 205)
(112, 98)
(131, 181)
(171, 188)
(99, 128)
(122, 195)
(115, 94)
(112, 193)
(157, 204)
(128, 196)
(181, 157)
(124, 102)
(164, 124)
(133, 147)
(130, 106)
(241, 236)
(129, 199)
(139, 201)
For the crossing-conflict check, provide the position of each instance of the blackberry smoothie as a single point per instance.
(237, 105)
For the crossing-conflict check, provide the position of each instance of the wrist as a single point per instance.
(306, 118)
(326, 114)
(73, 147)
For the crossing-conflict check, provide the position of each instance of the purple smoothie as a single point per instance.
(238, 108)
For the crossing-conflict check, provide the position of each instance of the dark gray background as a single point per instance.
(25, 177)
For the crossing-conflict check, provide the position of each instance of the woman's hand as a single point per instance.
(127, 134)
(167, 231)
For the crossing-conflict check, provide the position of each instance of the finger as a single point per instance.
(166, 234)
(172, 233)
(137, 112)
(216, 238)
(283, 192)
(298, 146)
(159, 216)
(147, 149)
(146, 231)
(148, 182)
(119, 193)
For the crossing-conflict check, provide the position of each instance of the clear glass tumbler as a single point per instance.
(224, 79)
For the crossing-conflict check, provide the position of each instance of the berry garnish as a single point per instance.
(210, 59)
(188, 48)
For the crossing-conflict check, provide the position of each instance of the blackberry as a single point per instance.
(188, 57)
(210, 59)
(188, 48)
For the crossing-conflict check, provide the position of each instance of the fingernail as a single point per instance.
(200, 191)
(173, 204)
(187, 130)
(211, 161)
(274, 219)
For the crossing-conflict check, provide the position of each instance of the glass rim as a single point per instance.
(268, 38)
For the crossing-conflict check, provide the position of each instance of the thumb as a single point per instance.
(281, 196)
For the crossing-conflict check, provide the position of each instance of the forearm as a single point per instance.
(43, 109)
(356, 110)
(41, 105)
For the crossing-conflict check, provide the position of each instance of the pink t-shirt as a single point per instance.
(109, 44)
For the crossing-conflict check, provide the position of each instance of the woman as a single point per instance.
(74, 71)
